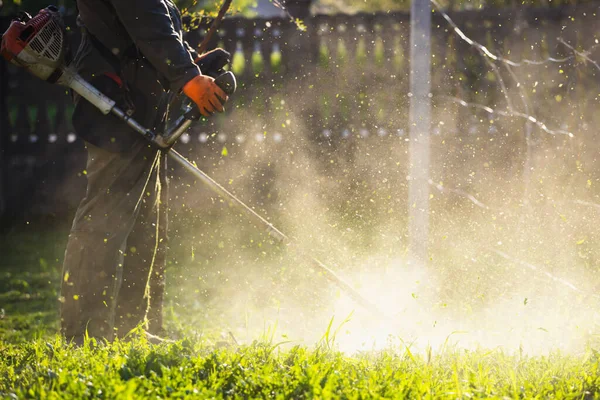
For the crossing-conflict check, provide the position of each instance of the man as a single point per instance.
(113, 273)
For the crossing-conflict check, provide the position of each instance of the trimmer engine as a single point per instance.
(40, 45)
(37, 44)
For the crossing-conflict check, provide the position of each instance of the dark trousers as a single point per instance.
(113, 273)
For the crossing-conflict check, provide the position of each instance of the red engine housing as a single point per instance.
(22, 30)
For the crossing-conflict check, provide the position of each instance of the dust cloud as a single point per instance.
(513, 241)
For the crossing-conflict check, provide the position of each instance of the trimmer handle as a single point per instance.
(225, 81)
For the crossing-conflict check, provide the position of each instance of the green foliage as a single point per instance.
(49, 368)
(211, 7)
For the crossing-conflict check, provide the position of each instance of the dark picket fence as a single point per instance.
(343, 79)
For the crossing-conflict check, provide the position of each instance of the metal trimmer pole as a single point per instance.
(273, 232)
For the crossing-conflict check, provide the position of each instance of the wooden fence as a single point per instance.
(344, 79)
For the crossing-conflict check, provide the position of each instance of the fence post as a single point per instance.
(420, 122)
(296, 41)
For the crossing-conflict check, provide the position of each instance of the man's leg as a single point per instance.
(142, 291)
(93, 266)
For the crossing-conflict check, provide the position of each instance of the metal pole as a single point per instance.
(420, 121)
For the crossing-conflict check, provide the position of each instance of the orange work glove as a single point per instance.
(203, 91)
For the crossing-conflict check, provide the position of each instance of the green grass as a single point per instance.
(36, 363)
(29, 284)
(47, 368)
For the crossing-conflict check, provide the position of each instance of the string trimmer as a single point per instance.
(39, 45)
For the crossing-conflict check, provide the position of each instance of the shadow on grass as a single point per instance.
(30, 266)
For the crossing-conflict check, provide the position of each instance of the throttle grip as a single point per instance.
(226, 82)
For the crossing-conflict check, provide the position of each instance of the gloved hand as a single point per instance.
(203, 91)
(212, 63)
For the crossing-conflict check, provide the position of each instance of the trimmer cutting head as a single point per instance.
(37, 44)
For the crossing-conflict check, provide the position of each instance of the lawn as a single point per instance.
(36, 363)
